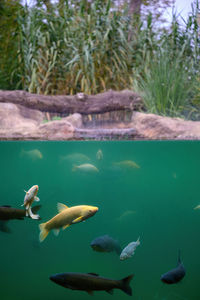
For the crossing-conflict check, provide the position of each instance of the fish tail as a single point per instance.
(179, 256)
(74, 168)
(125, 285)
(43, 232)
(4, 227)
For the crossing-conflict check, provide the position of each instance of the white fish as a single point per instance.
(197, 207)
(126, 215)
(129, 250)
(28, 200)
(85, 168)
(99, 154)
(33, 154)
(76, 158)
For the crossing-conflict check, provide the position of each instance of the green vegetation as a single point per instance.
(87, 48)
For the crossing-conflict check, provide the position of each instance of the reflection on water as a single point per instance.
(157, 201)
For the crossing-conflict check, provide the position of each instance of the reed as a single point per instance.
(87, 48)
(169, 83)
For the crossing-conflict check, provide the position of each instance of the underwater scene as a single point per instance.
(111, 219)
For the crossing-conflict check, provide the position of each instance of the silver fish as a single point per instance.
(129, 250)
(85, 168)
(28, 200)
(99, 154)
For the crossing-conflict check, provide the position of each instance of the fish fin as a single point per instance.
(110, 291)
(36, 199)
(64, 227)
(4, 227)
(138, 241)
(32, 216)
(179, 257)
(94, 274)
(125, 285)
(56, 232)
(77, 220)
(61, 207)
(36, 208)
(90, 293)
(43, 232)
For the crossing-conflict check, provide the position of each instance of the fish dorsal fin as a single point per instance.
(179, 257)
(138, 241)
(61, 207)
(5, 206)
(94, 274)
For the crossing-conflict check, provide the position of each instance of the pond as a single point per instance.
(143, 189)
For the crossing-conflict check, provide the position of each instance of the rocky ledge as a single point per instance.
(21, 123)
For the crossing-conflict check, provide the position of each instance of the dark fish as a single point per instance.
(175, 275)
(105, 243)
(90, 282)
(10, 213)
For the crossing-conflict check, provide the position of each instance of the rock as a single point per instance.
(55, 130)
(75, 120)
(150, 126)
(12, 115)
(18, 122)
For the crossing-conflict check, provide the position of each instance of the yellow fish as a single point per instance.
(126, 214)
(33, 154)
(127, 164)
(66, 217)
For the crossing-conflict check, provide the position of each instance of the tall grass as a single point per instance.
(167, 86)
(169, 81)
(86, 48)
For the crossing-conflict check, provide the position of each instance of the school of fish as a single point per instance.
(68, 216)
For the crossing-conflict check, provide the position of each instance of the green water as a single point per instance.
(155, 202)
